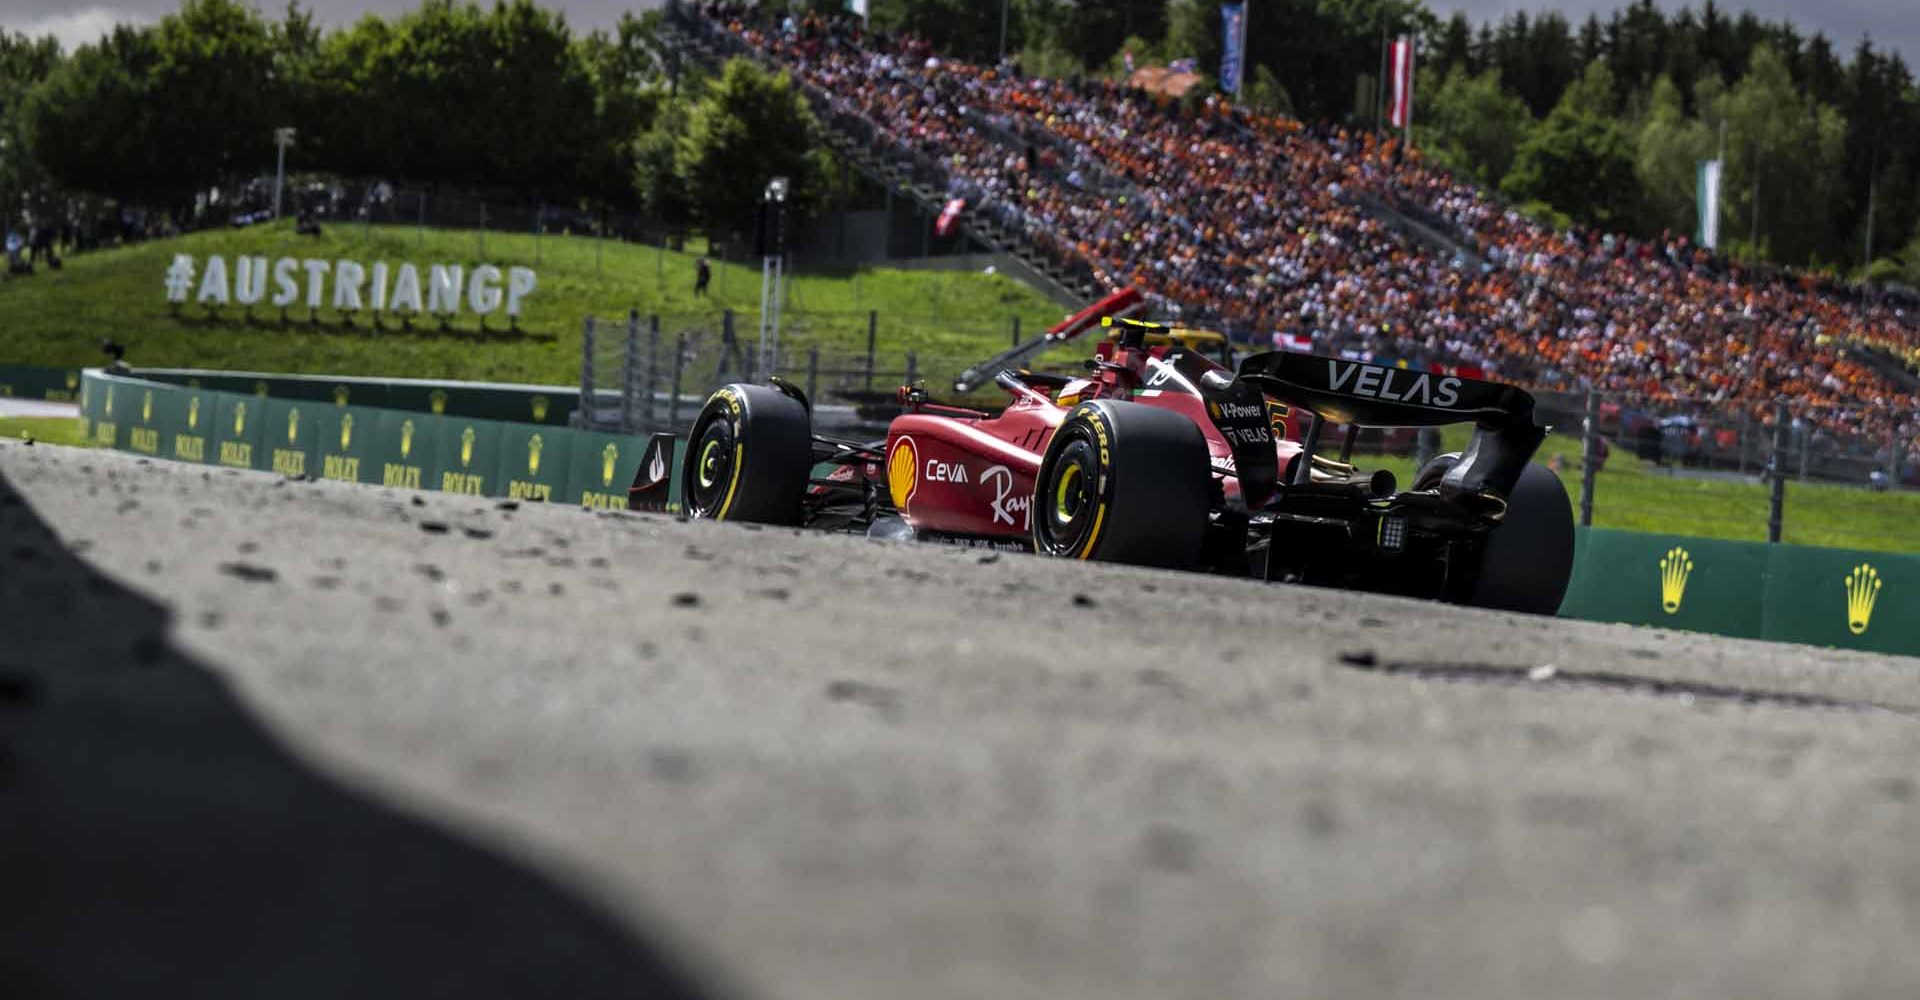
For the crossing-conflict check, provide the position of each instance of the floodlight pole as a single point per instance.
(282, 138)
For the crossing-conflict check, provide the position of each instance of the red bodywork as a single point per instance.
(956, 471)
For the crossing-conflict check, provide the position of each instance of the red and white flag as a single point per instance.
(948, 215)
(1400, 108)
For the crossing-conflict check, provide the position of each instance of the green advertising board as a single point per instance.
(469, 456)
(1666, 580)
(290, 436)
(533, 462)
(534, 404)
(54, 385)
(344, 437)
(602, 468)
(238, 425)
(405, 449)
(1842, 598)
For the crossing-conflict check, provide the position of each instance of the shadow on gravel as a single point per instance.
(155, 839)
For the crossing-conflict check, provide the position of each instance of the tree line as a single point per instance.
(504, 102)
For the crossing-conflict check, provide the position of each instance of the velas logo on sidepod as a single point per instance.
(1863, 589)
(1675, 567)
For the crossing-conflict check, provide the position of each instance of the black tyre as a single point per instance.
(1124, 482)
(748, 457)
(1528, 559)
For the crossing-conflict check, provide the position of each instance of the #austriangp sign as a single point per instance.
(349, 285)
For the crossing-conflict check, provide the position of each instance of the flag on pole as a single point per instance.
(948, 216)
(1707, 193)
(1400, 106)
(1233, 17)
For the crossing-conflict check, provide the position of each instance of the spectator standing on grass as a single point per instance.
(702, 276)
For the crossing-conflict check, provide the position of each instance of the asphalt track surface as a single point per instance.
(291, 739)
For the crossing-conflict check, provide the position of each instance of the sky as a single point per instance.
(1892, 23)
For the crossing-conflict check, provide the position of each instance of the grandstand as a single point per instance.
(1265, 227)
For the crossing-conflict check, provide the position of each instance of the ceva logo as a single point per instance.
(1675, 567)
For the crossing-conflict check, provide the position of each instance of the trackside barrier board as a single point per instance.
(53, 385)
(1787, 593)
(531, 404)
(319, 436)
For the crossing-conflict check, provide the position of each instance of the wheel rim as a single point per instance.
(713, 467)
(1069, 487)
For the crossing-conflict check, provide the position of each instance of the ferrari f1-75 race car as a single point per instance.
(1159, 456)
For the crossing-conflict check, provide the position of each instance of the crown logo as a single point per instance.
(534, 444)
(346, 432)
(1675, 567)
(339, 395)
(73, 380)
(540, 409)
(146, 407)
(193, 413)
(239, 419)
(293, 425)
(1863, 588)
(608, 457)
(466, 446)
(406, 439)
(260, 388)
(438, 398)
(109, 401)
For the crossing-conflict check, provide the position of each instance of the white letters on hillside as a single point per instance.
(380, 288)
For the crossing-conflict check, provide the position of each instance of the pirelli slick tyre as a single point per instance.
(1528, 560)
(1123, 482)
(748, 457)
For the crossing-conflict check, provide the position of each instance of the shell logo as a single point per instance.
(903, 472)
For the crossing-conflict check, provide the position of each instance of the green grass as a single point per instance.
(1634, 495)
(48, 430)
(58, 318)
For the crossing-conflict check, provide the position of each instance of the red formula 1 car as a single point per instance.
(1159, 456)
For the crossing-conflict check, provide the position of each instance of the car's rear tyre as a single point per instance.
(748, 457)
(1124, 482)
(1528, 560)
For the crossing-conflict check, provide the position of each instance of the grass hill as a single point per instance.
(58, 318)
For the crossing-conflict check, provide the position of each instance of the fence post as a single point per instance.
(653, 365)
(1806, 446)
(679, 362)
(628, 371)
(1016, 332)
(813, 374)
(873, 329)
(1589, 457)
(1777, 473)
(587, 398)
(1893, 456)
(913, 368)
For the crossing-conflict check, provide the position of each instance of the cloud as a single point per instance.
(72, 28)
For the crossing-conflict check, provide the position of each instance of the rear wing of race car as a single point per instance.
(1505, 435)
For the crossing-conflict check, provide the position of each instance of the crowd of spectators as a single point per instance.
(1263, 226)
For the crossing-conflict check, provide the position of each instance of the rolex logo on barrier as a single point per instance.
(146, 407)
(1863, 589)
(293, 425)
(339, 395)
(193, 413)
(109, 401)
(260, 388)
(346, 432)
(239, 419)
(534, 444)
(608, 456)
(540, 404)
(1675, 567)
(438, 400)
(466, 447)
(406, 439)
(73, 381)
